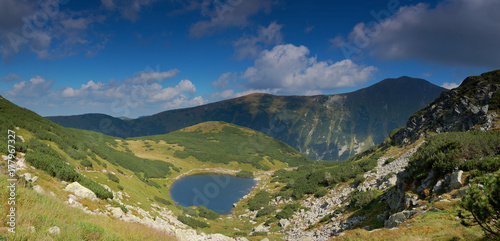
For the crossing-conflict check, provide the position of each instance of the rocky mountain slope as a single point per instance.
(469, 107)
(420, 176)
(326, 127)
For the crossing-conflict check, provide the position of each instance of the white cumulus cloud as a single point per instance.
(289, 68)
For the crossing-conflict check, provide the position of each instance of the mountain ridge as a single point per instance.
(328, 127)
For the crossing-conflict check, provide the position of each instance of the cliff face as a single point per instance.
(471, 106)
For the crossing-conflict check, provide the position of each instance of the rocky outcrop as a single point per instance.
(81, 191)
(461, 109)
(398, 218)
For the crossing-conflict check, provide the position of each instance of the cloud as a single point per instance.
(47, 30)
(224, 81)
(450, 86)
(455, 32)
(136, 94)
(185, 86)
(288, 68)
(149, 76)
(129, 9)
(251, 46)
(11, 78)
(183, 101)
(36, 87)
(226, 14)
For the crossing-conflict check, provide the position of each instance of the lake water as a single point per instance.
(216, 192)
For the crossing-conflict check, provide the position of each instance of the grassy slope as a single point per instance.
(45, 211)
(220, 142)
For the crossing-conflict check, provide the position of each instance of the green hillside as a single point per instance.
(221, 142)
(323, 127)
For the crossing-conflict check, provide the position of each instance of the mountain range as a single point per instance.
(323, 127)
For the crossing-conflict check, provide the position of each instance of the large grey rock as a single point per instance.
(411, 200)
(438, 186)
(117, 212)
(54, 230)
(284, 223)
(261, 228)
(456, 180)
(81, 191)
(426, 182)
(398, 218)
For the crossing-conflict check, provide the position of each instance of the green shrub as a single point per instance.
(288, 211)
(162, 201)
(271, 220)
(86, 163)
(245, 174)
(188, 211)
(494, 103)
(445, 152)
(361, 199)
(113, 177)
(207, 213)
(321, 192)
(484, 204)
(191, 222)
(258, 201)
(120, 187)
(389, 160)
(266, 211)
(359, 179)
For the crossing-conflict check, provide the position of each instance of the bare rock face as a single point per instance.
(81, 191)
(462, 109)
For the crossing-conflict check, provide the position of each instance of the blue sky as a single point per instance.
(140, 57)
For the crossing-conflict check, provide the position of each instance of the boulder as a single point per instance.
(38, 189)
(411, 200)
(54, 230)
(426, 182)
(27, 177)
(117, 212)
(283, 223)
(398, 218)
(438, 186)
(261, 228)
(81, 191)
(456, 180)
